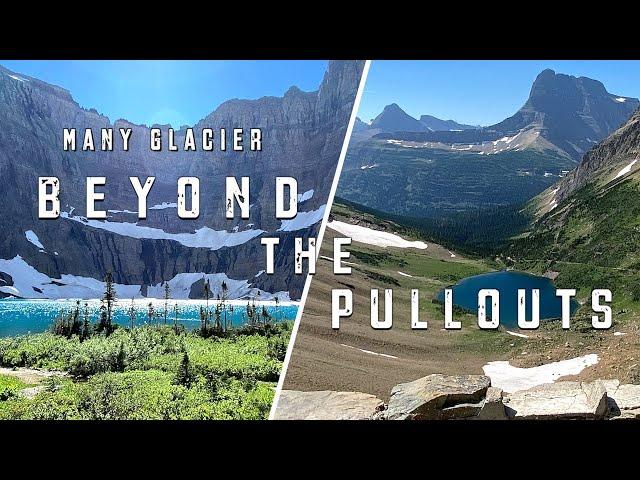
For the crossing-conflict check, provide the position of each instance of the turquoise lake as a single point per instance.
(19, 317)
(465, 295)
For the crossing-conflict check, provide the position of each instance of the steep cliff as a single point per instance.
(302, 137)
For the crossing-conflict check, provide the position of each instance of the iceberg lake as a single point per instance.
(18, 316)
(465, 295)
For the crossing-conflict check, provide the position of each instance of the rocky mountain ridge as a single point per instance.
(302, 136)
(565, 113)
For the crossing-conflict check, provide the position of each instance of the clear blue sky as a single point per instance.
(478, 92)
(174, 92)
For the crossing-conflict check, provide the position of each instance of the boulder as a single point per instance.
(438, 397)
(623, 401)
(327, 405)
(492, 407)
(560, 400)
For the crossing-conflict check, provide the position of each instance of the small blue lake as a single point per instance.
(19, 317)
(465, 295)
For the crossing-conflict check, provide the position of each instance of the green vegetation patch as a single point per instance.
(150, 372)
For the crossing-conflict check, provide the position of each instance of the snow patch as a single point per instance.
(516, 334)
(373, 237)
(33, 238)
(303, 197)
(204, 237)
(181, 284)
(122, 211)
(25, 278)
(163, 206)
(18, 78)
(618, 334)
(626, 169)
(620, 99)
(405, 274)
(512, 379)
(369, 351)
(302, 220)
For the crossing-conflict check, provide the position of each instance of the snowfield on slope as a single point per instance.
(625, 170)
(204, 237)
(373, 237)
(25, 278)
(512, 379)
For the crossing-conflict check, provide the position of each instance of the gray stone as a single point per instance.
(561, 400)
(492, 407)
(327, 405)
(437, 397)
(623, 401)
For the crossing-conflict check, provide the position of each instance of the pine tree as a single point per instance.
(150, 312)
(132, 315)
(175, 317)
(184, 375)
(225, 292)
(103, 322)
(167, 296)
(85, 324)
(109, 297)
(121, 359)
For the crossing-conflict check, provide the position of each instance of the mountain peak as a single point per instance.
(395, 119)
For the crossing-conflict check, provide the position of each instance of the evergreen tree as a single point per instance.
(86, 327)
(121, 359)
(150, 312)
(184, 375)
(225, 293)
(103, 322)
(132, 315)
(167, 296)
(109, 297)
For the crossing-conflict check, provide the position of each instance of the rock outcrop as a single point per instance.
(327, 405)
(438, 397)
(562, 400)
(623, 401)
(468, 397)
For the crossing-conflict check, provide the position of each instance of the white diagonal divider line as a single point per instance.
(323, 226)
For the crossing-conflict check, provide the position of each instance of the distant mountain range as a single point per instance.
(395, 119)
(302, 134)
(564, 113)
(427, 174)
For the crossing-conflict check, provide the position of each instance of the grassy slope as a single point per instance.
(322, 358)
(592, 239)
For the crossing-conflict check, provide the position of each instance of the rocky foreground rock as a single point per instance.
(327, 405)
(470, 397)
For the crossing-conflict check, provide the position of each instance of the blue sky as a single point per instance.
(174, 92)
(478, 92)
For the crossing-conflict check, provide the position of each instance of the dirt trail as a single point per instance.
(30, 375)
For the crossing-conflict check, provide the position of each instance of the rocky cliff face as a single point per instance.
(302, 137)
(604, 162)
(573, 113)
